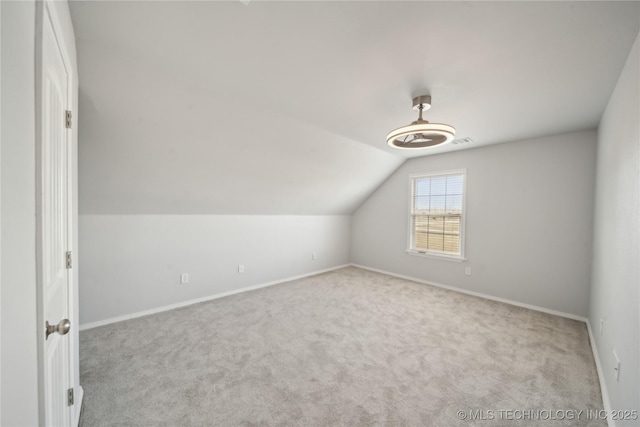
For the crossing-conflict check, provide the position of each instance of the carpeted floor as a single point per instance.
(348, 348)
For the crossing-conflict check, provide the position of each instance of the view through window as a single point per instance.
(436, 213)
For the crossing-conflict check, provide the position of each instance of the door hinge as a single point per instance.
(69, 260)
(70, 397)
(68, 117)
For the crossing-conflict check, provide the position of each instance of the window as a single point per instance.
(437, 214)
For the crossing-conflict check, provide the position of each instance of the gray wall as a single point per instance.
(132, 263)
(615, 297)
(529, 222)
(19, 344)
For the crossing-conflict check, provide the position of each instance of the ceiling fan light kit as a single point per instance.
(421, 133)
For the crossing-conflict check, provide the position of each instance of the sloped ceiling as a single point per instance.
(283, 107)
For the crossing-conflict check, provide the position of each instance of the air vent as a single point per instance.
(462, 141)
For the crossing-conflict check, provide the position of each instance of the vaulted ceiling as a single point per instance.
(261, 107)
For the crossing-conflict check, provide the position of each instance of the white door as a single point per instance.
(53, 228)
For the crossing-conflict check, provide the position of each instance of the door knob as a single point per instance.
(62, 328)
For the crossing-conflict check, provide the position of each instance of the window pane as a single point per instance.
(421, 204)
(436, 224)
(452, 244)
(454, 204)
(454, 184)
(438, 186)
(420, 228)
(436, 242)
(422, 186)
(421, 222)
(452, 225)
(437, 205)
(420, 241)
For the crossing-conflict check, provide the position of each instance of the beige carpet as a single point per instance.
(347, 348)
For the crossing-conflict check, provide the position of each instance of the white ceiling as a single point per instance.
(283, 107)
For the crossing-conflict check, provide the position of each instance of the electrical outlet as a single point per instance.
(616, 365)
(467, 271)
(240, 268)
(184, 278)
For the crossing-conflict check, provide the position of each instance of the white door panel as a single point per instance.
(53, 236)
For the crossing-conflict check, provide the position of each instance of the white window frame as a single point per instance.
(463, 219)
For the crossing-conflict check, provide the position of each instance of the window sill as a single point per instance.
(452, 258)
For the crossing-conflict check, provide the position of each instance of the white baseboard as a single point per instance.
(203, 299)
(477, 294)
(603, 385)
